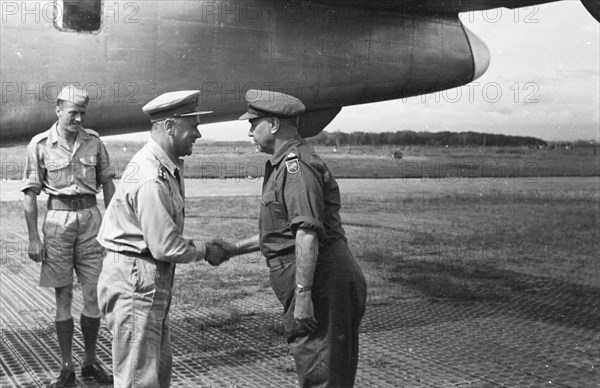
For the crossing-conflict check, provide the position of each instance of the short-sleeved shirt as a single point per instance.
(59, 170)
(146, 213)
(299, 191)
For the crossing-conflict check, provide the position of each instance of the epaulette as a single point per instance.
(39, 137)
(91, 132)
(162, 173)
(291, 162)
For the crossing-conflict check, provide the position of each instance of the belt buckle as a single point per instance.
(77, 203)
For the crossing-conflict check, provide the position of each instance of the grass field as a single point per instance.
(457, 249)
(241, 160)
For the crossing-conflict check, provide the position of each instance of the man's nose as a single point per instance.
(197, 133)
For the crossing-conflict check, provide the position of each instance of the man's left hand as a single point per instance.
(304, 312)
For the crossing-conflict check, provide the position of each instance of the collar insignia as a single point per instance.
(162, 173)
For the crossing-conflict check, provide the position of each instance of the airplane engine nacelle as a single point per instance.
(396, 56)
(411, 55)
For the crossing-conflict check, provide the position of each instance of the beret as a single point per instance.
(269, 103)
(72, 94)
(173, 104)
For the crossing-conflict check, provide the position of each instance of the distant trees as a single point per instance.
(412, 138)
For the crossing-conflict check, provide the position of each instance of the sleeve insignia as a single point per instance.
(291, 155)
(162, 173)
(292, 165)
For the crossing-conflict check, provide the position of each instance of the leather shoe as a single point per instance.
(65, 379)
(96, 371)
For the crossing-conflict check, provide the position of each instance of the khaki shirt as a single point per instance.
(299, 191)
(146, 214)
(58, 170)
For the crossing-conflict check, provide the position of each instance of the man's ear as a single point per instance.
(170, 126)
(57, 110)
(275, 125)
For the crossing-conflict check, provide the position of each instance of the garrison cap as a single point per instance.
(72, 94)
(173, 104)
(269, 103)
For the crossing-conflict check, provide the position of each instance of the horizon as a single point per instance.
(135, 137)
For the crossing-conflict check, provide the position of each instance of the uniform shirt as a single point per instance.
(146, 214)
(58, 170)
(298, 192)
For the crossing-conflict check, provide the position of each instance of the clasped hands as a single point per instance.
(219, 251)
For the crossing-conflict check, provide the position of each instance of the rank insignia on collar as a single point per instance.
(162, 173)
(293, 166)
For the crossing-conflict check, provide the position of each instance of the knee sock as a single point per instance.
(64, 332)
(89, 328)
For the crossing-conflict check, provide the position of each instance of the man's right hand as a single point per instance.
(37, 251)
(215, 255)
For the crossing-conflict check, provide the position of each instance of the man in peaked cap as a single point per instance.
(312, 271)
(70, 164)
(142, 232)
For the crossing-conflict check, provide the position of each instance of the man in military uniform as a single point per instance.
(142, 232)
(312, 272)
(69, 163)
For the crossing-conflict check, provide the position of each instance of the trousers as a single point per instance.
(134, 293)
(327, 357)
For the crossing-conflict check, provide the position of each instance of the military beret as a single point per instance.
(173, 104)
(269, 103)
(72, 94)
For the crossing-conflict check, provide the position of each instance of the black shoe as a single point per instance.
(96, 371)
(65, 379)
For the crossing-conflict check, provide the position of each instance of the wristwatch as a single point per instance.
(300, 288)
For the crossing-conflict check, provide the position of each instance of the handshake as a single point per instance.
(219, 251)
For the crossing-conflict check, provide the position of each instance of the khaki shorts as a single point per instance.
(70, 241)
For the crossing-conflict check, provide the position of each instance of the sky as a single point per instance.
(543, 81)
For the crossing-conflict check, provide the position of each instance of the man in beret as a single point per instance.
(312, 271)
(142, 232)
(70, 164)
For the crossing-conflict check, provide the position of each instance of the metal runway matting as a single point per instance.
(535, 332)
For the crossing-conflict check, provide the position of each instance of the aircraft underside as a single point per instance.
(330, 54)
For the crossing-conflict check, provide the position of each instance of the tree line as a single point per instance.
(412, 138)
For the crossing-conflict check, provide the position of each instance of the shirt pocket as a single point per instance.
(58, 173)
(88, 170)
(273, 217)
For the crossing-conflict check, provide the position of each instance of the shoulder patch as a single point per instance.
(91, 132)
(292, 165)
(162, 173)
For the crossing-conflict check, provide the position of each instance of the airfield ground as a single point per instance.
(472, 283)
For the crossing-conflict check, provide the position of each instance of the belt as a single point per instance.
(67, 202)
(134, 255)
(280, 261)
